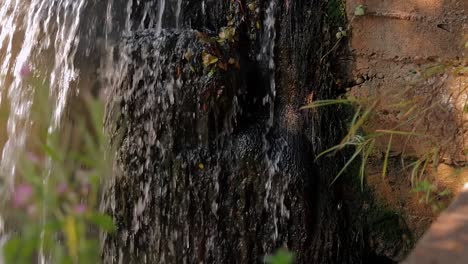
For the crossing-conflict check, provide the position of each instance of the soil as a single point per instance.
(409, 49)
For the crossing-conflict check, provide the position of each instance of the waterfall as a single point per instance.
(267, 55)
(38, 38)
(275, 187)
(181, 148)
(162, 6)
(177, 13)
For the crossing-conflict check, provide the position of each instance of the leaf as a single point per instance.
(103, 221)
(445, 192)
(423, 170)
(229, 33)
(282, 256)
(414, 171)
(208, 59)
(396, 132)
(360, 10)
(52, 152)
(204, 38)
(336, 147)
(343, 169)
(387, 156)
(72, 236)
(188, 55)
(211, 73)
(358, 124)
(321, 103)
(222, 35)
(433, 70)
(222, 65)
(367, 153)
(341, 33)
(251, 6)
(338, 35)
(11, 249)
(20, 250)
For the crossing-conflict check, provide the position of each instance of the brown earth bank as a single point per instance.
(407, 53)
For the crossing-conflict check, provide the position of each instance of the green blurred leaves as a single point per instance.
(65, 168)
(103, 221)
(281, 256)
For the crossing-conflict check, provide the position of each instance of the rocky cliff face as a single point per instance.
(216, 163)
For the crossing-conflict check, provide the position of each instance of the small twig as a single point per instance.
(338, 41)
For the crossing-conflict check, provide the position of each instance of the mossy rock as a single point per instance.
(388, 234)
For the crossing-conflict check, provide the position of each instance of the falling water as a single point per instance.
(177, 13)
(37, 38)
(162, 6)
(40, 46)
(56, 38)
(267, 55)
(275, 188)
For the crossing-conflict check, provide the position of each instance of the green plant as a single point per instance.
(360, 10)
(216, 55)
(412, 108)
(55, 197)
(430, 194)
(363, 143)
(337, 14)
(281, 256)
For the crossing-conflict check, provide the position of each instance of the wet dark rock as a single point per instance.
(215, 166)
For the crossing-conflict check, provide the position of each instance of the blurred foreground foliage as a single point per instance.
(53, 210)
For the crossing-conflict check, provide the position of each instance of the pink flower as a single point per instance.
(80, 209)
(21, 195)
(62, 188)
(33, 158)
(25, 70)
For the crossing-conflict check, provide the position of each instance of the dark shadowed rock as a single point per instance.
(218, 165)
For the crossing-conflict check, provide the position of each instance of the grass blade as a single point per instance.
(356, 153)
(356, 125)
(367, 153)
(321, 103)
(397, 132)
(414, 171)
(387, 155)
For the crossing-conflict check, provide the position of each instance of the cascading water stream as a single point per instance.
(267, 56)
(38, 38)
(161, 88)
(177, 13)
(40, 46)
(275, 188)
(45, 36)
